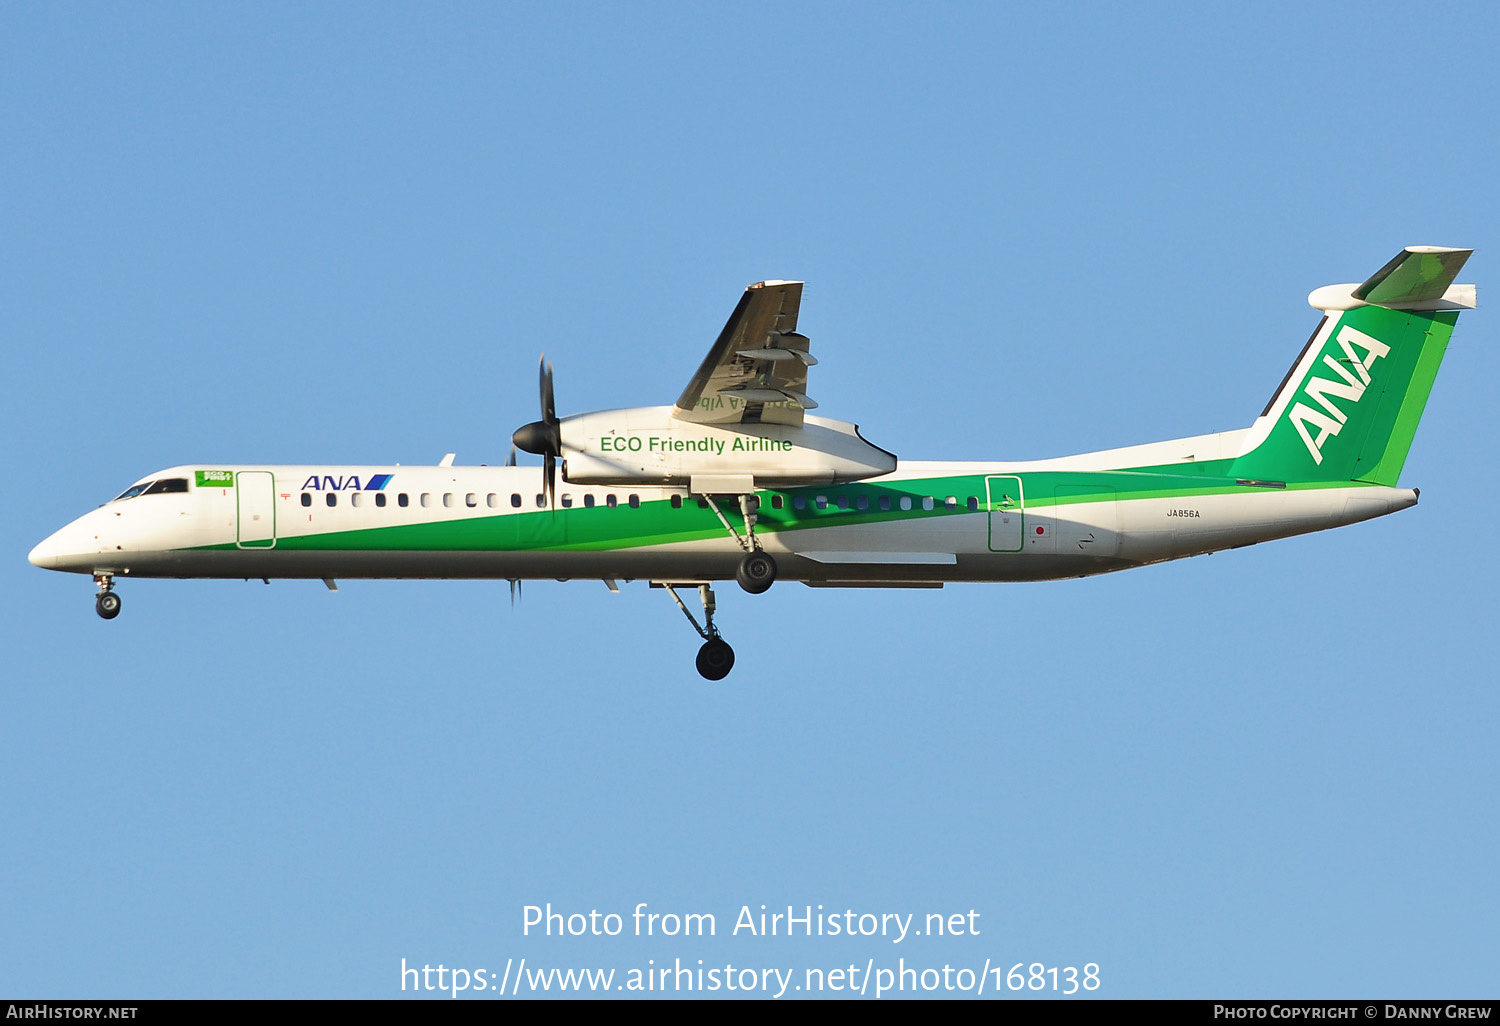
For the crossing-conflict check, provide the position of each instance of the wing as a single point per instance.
(756, 372)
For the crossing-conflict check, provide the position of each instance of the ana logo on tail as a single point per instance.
(1330, 420)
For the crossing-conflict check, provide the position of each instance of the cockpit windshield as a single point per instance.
(166, 484)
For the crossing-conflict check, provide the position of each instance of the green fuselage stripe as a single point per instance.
(657, 522)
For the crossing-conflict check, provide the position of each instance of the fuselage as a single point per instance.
(923, 524)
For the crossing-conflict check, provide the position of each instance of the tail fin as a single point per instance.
(1348, 408)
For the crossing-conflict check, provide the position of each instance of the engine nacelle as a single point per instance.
(647, 445)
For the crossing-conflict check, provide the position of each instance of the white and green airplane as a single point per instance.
(738, 480)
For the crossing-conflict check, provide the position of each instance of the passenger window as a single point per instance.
(380, 499)
(448, 499)
(843, 502)
(332, 498)
(515, 500)
(402, 500)
(862, 503)
(927, 502)
(471, 500)
(426, 499)
(799, 502)
(611, 501)
(357, 499)
(676, 502)
(541, 500)
(703, 504)
(635, 502)
(492, 500)
(777, 501)
(951, 502)
(588, 501)
(821, 502)
(567, 501)
(906, 502)
(973, 504)
(885, 503)
(306, 499)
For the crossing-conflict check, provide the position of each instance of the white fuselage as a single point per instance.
(926, 523)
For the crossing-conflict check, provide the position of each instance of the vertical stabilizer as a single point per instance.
(1349, 408)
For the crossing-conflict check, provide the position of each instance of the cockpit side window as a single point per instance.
(134, 490)
(167, 484)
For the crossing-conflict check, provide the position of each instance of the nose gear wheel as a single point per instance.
(106, 603)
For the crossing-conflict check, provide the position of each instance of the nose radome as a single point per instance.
(45, 554)
(72, 548)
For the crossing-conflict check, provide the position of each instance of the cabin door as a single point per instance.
(255, 493)
(1007, 512)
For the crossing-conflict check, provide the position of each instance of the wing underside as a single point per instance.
(756, 372)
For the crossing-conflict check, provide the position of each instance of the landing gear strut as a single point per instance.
(715, 658)
(106, 603)
(757, 571)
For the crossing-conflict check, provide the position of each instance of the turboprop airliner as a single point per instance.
(738, 479)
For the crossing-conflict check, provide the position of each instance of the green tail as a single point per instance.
(1349, 408)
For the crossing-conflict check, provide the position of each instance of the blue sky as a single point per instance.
(343, 233)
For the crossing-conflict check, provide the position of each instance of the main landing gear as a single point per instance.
(106, 603)
(715, 658)
(757, 571)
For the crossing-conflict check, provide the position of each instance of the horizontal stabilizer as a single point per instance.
(1418, 278)
(1416, 275)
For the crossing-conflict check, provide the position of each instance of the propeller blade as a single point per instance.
(549, 470)
(549, 408)
(510, 461)
(515, 591)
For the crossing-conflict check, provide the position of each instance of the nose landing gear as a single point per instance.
(106, 603)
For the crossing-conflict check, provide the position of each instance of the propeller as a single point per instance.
(544, 437)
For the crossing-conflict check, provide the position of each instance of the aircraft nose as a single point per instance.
(73, 547)
(46, 553)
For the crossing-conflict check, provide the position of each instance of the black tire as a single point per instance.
(715, 659)
(757, 572)
(107, 605)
